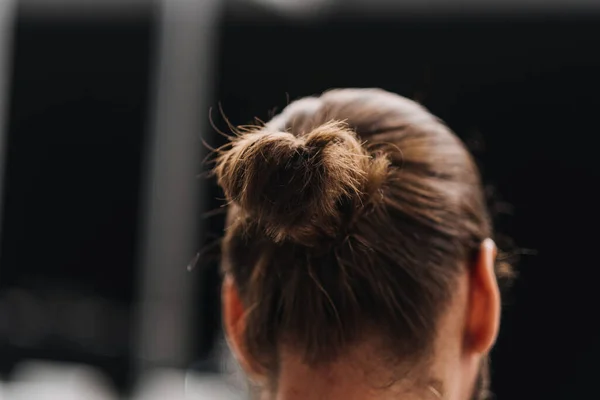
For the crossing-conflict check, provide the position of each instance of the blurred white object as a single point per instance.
(178, 385)
(38, 380)
(47, 391)
(298, 8)
(211, 386)
(161, 384)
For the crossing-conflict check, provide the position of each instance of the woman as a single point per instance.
(358, 256)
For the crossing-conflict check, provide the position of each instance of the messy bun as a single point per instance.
(293, 186)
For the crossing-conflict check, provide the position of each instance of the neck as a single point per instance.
(346, 381)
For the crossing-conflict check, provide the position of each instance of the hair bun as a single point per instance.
(292, 186)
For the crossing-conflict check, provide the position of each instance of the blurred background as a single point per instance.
(109, 283)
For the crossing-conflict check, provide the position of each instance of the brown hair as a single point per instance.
(350, 212)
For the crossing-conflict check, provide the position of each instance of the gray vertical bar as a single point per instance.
(7, 26)
(171, 200)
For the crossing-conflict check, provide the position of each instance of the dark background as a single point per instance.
(76, 129)
(521, 90)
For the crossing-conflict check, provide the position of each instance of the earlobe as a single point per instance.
(234, 325)
(484, 301)
(232, 314)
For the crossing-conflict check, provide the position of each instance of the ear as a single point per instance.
(483, 317)
(234, 325)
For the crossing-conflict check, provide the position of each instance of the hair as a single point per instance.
(350, 213)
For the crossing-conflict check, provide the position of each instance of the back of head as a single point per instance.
(351, 214)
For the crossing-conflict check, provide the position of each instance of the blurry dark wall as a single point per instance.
(77, 123)
(522, 91)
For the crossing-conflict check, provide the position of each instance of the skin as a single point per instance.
(467, 332)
